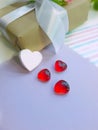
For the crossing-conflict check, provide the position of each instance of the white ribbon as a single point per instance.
(12, 16)
(52, 18)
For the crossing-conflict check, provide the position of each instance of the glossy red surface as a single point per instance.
(44, 75)
(61, 87)
(60, 66)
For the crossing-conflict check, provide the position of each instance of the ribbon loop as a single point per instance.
(54, 22)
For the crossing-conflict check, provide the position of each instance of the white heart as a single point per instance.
(30, 60)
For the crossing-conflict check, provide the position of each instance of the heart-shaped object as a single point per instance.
(61, 87)
(44, 75)
(30, 60)
(60, 66)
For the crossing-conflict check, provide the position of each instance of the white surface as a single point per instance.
(28, 104)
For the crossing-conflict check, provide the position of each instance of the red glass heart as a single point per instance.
(61, 87)
(60, 66)
(44, 75)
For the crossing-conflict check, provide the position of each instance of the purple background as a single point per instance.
(28, 104)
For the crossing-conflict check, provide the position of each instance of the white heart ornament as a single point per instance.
(30, 60)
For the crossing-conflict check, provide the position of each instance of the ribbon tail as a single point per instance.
(53, 19)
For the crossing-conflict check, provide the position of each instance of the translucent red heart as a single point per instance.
(61, 87)
(44, 75)
(60, 66)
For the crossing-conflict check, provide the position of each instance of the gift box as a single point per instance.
(25, 31)
(77, 12)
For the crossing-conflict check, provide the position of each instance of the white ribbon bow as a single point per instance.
(52, 18)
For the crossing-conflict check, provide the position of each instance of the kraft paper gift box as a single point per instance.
(25, 32)
(77, 12)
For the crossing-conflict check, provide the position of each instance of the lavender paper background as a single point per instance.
(28, 104)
